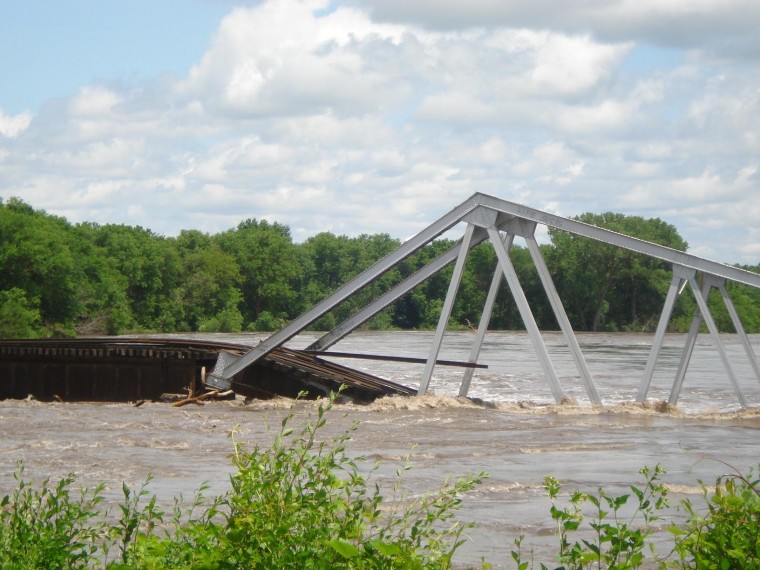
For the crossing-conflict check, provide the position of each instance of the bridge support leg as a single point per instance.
(448, 305)
(485, 319)
(691, 340)
(721, 286)
(561, 316)
(526, 314)
(701, 294)
(676, 284)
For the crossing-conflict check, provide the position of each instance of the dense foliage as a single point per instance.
(58, 278)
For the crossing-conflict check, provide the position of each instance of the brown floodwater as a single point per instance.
(510, 429)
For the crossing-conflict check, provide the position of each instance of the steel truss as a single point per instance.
(499, 221)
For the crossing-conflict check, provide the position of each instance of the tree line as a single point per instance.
(64, 279)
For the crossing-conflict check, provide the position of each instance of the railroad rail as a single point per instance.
(131, 369)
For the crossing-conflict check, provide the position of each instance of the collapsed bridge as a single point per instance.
(135, 369)
(488, 218)
(144, 368)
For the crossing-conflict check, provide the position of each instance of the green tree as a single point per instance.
(330, 261)
(19, 316)
(106, 308)
(150, 267)
(210, 285)
(420, 308)
(36, 256)
(269, 265)
(607, 287)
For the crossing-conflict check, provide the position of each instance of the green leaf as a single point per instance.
(386, 549)
(571, 525)
(621, 500)
(345, 549)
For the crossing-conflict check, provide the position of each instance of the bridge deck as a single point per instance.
(130, 369)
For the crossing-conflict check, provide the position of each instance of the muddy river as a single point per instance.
(510, 428)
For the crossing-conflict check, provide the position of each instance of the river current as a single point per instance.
(510, 427)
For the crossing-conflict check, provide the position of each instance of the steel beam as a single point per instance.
(626, 242)
(529, 229)
(680, 275)
(527, 316)
(485, 319)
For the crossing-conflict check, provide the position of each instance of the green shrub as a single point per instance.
(723, 536)
(47, 527)
(304, 503)
(19, 315)
(267, 322)
(607, 538)
(727, 535)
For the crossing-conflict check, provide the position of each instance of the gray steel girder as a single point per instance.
(479, 210)
(221, 376)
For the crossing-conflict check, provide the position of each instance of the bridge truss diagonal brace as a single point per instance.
(221, 377)
(677, 283)
(526, 314)
(448, 305)
(485, 319)
(527, 229)
(691, 338)
(701, 294)
(682, 276)
(720, 284)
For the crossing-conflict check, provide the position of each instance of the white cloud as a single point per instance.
(694, 191)
(571, 65)
(93, 102)
(12, 126)
(279, 58)
(727, 25)
(324, 116)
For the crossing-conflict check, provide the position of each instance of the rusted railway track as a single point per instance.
(128, 369)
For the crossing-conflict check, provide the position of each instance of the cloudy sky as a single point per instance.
(370, 116)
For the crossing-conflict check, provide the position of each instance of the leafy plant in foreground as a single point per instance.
(610, 537)
(727, 535)
(303, 502)
(46, 527)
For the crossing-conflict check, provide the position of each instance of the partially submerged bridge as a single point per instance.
(488, 218)
(143, 368)
(134, 369)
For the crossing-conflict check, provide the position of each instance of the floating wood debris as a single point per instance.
(213, 395)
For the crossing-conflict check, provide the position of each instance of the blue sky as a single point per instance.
(368, 116)
(51, 48)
